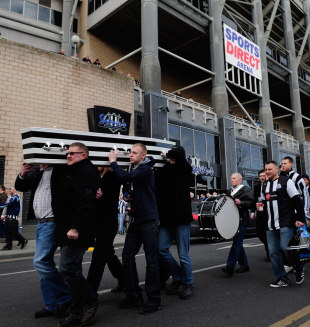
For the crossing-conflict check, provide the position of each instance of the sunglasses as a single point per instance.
(72, 153)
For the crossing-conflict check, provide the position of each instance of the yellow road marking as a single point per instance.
(305, 324)
(293, 317)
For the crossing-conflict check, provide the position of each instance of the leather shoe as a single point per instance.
(69, 321)
(24, 243)
(43, 313)
(62, 309)
(89, 314)
(243, 269)
(147, 309)
(6, 247)
(228, 270)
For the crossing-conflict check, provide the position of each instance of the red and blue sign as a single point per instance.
(242, 52)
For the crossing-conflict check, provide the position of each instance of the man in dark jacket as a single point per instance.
(45, 182)
(75, 227)
(106, 229)
(261, 218)
(175, 214)
(143, 229)
(244, 199)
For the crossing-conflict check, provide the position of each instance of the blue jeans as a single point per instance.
(181, 234)
(146, 234)
(277, 244)
(70, 267)
(121, 221)
(237, 252)
(53, 288)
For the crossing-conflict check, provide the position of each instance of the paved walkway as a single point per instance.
(29, 231)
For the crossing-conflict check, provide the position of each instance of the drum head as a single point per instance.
(226, 217)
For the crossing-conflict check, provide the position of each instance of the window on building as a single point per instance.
(56, 17)
(5, 4)
(31, 10)
(213, 148)
(44, 14)
(75, 25)
(276, 126)
(187, 141)
(174, 133)
(91, 5)
(246, 155)
(17, 6)
(200, 146)
(97, 4)
(255, 157)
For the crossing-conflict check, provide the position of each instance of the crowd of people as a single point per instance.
(78, 205)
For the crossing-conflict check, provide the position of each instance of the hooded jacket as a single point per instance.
(142, 190)
(173, 190)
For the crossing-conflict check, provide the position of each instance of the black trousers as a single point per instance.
(261, 228)
(70, 267)
(11, 232)
(104, 254)
(146, 234)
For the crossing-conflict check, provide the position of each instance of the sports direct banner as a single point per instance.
(241, 52)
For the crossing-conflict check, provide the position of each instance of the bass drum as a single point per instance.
(219, 218)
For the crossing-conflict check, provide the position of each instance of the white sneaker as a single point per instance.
(279, 283)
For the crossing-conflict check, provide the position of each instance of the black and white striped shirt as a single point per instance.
(277, 196)
(122, 206)
(301, 187)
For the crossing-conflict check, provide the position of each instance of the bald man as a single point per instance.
(244, 199)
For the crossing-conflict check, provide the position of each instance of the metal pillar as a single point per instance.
(273, 150)
(265, 113)
(150, 76)
(66, 37)
(155, 105)
(306, 4)
(298, 126)
(228, 149)
(219, 92)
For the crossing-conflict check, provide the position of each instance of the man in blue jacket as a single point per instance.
(143, 229)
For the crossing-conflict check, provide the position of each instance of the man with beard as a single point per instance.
(175, 214)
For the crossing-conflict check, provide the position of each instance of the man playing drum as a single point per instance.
(244, 199)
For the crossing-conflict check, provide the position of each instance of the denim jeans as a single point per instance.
(146, 234)
(53, 288)
(237, 252)
(277, 244)
(121, 221)
(70, 267)
(181, 234)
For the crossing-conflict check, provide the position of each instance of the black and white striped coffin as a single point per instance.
(50, 145)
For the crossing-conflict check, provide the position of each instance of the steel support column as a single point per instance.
(219, 92)
(298, 126)
(306, 4)
(265, 113)
(155, 105)
(150, 75)
(66, 37)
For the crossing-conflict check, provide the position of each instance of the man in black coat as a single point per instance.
(45, 183)
(106, 229)
(143, 229)
(75, 227)
(175, 214)
(244, 199)
(261, 218)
